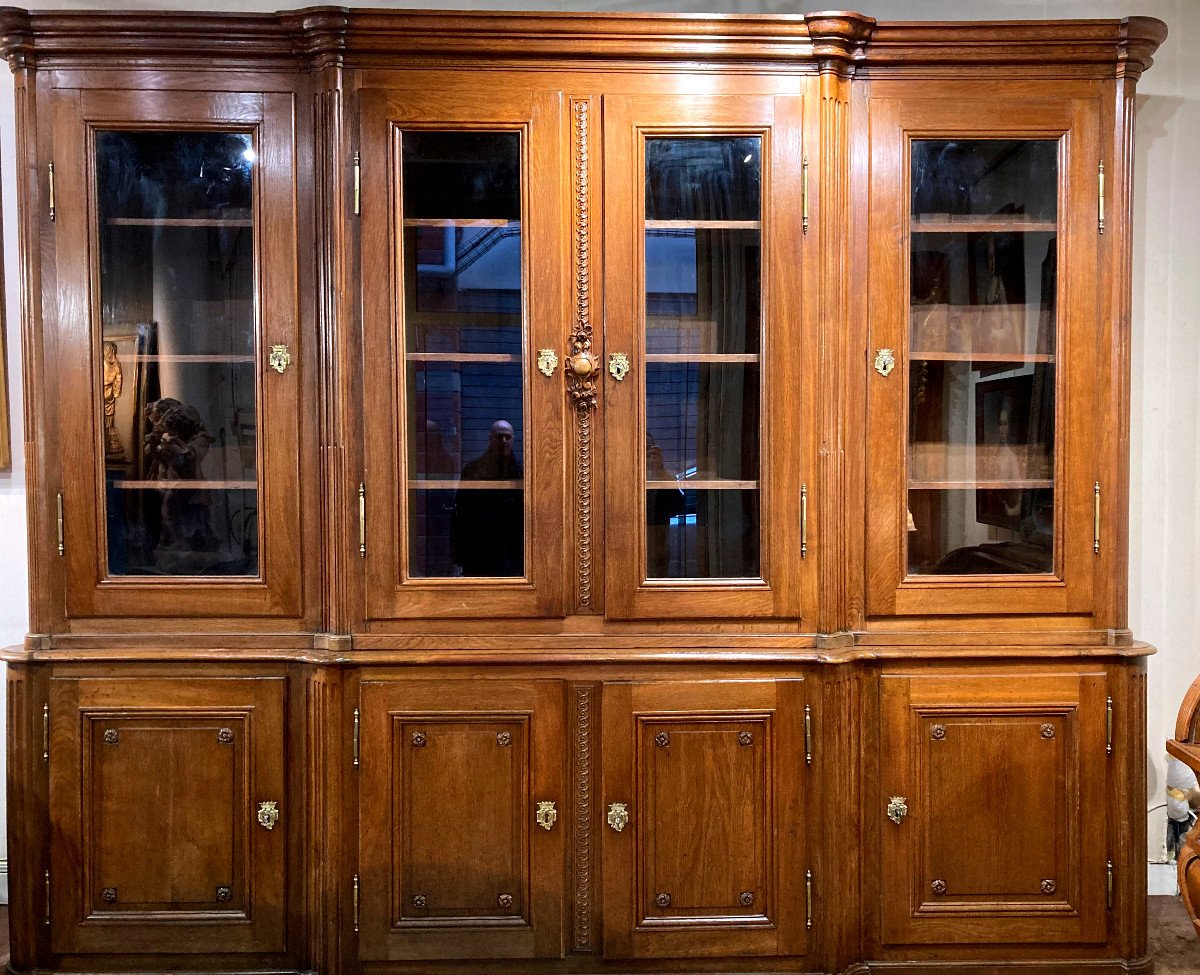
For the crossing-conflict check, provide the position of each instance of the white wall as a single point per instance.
(1165, 520)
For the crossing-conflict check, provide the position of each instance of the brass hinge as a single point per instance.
(807, 735)
(1108, 725)
(357, 184)
(1109, 897)
(808, 899)
(1101, 197)
(803, 521)
(356, 903)
(47, 898)
(51, 187)
(356, 737)
(804, 195)
(62, 548)
(45, 732)
(1096, 518)
(362, 520)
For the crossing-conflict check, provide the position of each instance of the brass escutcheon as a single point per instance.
(618, 816)
(547, 362)
(279, 358)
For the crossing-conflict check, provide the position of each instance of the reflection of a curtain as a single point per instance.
(702, 176)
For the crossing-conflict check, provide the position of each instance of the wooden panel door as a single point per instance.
(176, 242)
(984, 328)
(459, 854)
(704, 852)
(704, 249)
(1004, 783)
(464, 267)
(156, 788)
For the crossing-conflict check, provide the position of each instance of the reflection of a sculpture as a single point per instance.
(489, 523)
(174, 449)
(113, 381)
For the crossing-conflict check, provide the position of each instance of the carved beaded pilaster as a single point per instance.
(582, 365)
(582, 861)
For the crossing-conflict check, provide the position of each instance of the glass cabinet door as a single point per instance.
(973, 368)
(463, 490)
(189, 308)
(703, 516)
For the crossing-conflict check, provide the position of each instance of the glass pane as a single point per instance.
(464, 354)
(982, 363)
(178, 374)
(703, 334)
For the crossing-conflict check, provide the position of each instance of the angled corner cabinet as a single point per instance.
(584, 493)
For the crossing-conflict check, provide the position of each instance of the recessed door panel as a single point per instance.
(155, 794)
(704, 843)
(455, 861)
(1001, 835)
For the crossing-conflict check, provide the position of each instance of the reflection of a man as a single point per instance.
(489, 522)
(661, 506)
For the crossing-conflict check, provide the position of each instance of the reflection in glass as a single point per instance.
(178, 377)
(703, 335)
(982, 370)
(464, 353)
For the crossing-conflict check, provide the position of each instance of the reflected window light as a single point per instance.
(249, 155)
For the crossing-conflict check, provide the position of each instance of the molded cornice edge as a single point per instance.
(315, 37)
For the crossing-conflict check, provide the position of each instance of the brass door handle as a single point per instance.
(268, 814)
(897, 809)
(546, 814)
(618, 816)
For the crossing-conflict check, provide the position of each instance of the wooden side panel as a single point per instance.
(711, 862)
(155, 790)
(1004, 783)
(453, 863)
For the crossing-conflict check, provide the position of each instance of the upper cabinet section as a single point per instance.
(984, 333)
(409, 324)
(179, 359)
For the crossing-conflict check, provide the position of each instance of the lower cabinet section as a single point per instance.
(461, 850)
(164, 798)
(707, 819)
(704, 835)
(996, 792)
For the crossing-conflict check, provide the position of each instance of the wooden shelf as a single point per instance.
(457, 485)
(189, 485)
(457, 222)
(1001, 485)
(945, 223)
(703, 224)
(461, 357)
(179, 222)
(700, 357)
(1020, 357)
(189, 358)
(694, 484)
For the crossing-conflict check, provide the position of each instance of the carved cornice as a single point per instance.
(839, 39)
(314, 37)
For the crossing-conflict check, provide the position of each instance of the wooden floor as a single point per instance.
(1173, 941)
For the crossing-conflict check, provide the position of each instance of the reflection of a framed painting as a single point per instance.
(128, 381)
(1003, 451)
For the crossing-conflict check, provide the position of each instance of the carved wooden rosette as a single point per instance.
(583, 366)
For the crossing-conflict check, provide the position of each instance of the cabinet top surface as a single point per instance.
(1123, 47)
